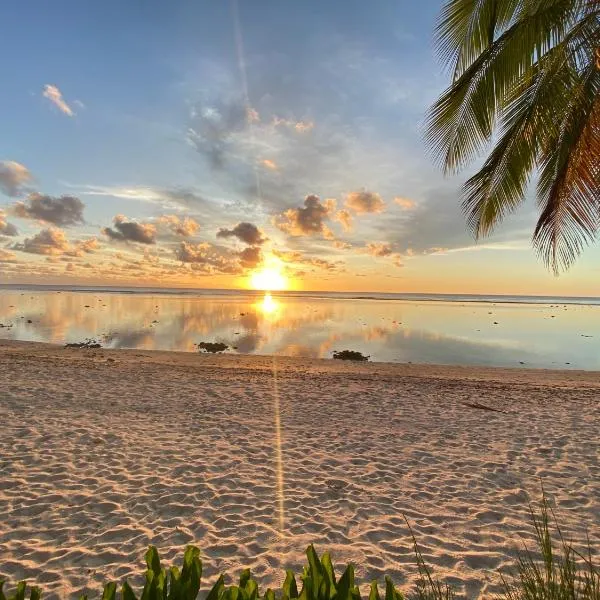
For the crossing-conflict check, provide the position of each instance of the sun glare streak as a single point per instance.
(280, 490)
(239, 46)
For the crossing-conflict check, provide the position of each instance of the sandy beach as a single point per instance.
(254, 457)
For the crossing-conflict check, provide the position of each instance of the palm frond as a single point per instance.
(569, 184)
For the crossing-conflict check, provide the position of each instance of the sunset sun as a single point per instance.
(268, 279)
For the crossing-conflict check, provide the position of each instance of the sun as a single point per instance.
(268, 279)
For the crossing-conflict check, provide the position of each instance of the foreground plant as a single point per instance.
(558, 571)
(525, 79)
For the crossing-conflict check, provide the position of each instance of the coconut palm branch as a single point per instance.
(525, 81)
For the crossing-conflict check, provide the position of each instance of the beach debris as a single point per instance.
(29, 321)
(480, 406)
(2, 326)
(349, 355)
(212, 347)
(586, 336)
(88, 344)
(495, 322)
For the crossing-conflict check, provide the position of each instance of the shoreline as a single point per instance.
(264, 362)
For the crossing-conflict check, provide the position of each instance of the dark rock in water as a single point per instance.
(212, 347)
(29, 321)
(349, 355)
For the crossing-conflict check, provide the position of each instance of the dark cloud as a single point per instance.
(62, 211)
(13, 177)
(365, 202)
(250, 257)
(307, 220)
(48, 242)
(131, 231)
(246, 232)
(7, 228)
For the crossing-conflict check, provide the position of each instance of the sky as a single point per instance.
(195, 144)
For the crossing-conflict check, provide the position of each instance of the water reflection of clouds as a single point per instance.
(387, 331)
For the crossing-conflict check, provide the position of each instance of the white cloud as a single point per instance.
(55, 96)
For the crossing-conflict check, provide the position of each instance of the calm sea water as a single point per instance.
(511, 331)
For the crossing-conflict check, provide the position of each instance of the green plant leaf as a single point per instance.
(127, 592)
(20, 591)
(290, 589)
(153, 560)
(244, 578)
(110, 591)
(346, 584)
(217, 590)
(330, 572)
(374, 592)
(35, 593)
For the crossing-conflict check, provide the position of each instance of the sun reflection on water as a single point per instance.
(268, 305)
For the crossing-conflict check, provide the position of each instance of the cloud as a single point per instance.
(378, 249)
(308, 220)
(62, 211)
(297, 258)
(48, 242)
(55, 96)
(299, 126)
(345, 218)
(214, 127)
(405, 203)
(53, 242)
(13, 176)
(6, 228)
(193, 253)
(207, 260)
(83, 247)
(250, 257)
(184, 227)
(364, 202)
(7, 257)
(383, 250)
(131, 231)
(245, 232)
(341, 245)
(173, 198)
(269, 164)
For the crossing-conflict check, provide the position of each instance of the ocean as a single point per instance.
(503, 331)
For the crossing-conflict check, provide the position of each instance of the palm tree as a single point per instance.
(526, 79)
